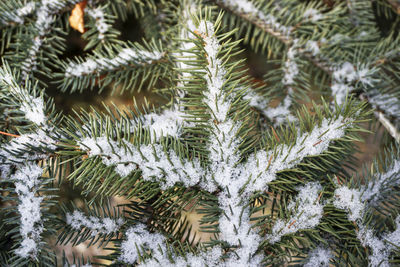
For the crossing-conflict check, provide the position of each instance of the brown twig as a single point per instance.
(8, 134)
(291, 224)
(275, 135)
(317, 143)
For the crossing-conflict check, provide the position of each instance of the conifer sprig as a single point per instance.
(270, 177)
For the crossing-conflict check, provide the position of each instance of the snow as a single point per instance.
(14, 152)
(344, 76)
(393, 238)
(345, 73)
(77, 220)
(380, 247)
(381, 181)
(169, 123)
(124, 57)
(27, 9)
(290, 69)
(235, 227)
(313, 14)
(313, 47)
(279, 114)
(319, 257)
(34, 110)
(349, 200)
(264, 165)
(380, 253)
(255, 100)
(136, 237)
(101, 23)
(386, 102)
(307, 213)
(27, 183)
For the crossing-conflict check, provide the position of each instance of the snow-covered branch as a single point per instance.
(101, 23)
(264, 165)
(137, 237)
(27, 184)
(319, 257)
(267, 22)
(169, 122)
(344, 74)
(17, 150)
(138, 241)
(355, 201)
(155, 163)
(343, 78)
(45, 17)
(290, 69)
(126, 57)
(18, 15)
(380, 247)
(184, 56)
(32, 106)
(306, 213)
(223, 144)
(77, 220)
(381, 182)
(234, 223)
(349, 200)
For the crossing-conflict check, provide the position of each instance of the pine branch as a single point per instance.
(319, 257)
(306, 213)
(125, 67)
(15, 12)
(42, 26)
(26, 186)
(38, 142)
(154, 162)
(103, 225)
(266, 195)
(263, 166)
(99, 28)
(249, 12)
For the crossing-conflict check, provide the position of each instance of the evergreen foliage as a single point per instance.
(269, 166)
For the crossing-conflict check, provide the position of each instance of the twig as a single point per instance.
(385, 122)
(13, 135)
(388, 125)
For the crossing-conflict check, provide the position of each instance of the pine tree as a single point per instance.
(269, 164)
